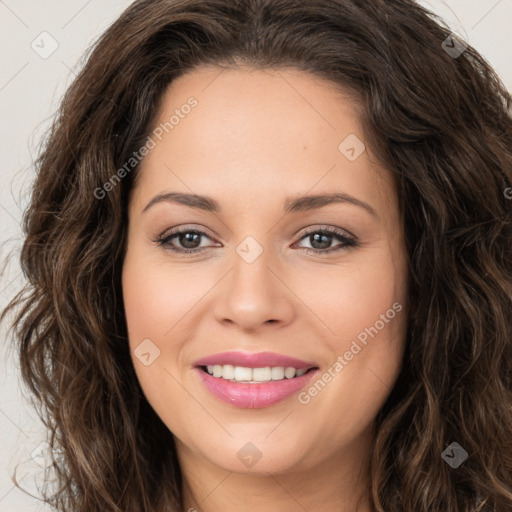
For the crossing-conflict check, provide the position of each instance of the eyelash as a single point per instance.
(347, 241)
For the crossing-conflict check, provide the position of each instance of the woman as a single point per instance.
(269, 264)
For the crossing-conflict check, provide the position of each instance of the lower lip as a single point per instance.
(253, 396)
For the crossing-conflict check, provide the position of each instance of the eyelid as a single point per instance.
(185, 229)
(329, 229)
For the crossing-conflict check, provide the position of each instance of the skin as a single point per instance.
(255, 138)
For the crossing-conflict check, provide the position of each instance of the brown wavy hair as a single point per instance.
(441, 124)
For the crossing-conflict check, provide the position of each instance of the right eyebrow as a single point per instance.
(191, 200)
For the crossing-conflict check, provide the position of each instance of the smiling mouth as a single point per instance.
(247, 375)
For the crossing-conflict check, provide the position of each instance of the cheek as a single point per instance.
(156, 296)
(364, 308)
(162, 303)
(350, 299)
(154, 301)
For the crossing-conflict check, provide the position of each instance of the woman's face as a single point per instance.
(266, 282)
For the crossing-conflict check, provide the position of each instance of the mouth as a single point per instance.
(254, 380)
(245, 374)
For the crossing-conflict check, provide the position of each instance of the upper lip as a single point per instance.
(254, 360)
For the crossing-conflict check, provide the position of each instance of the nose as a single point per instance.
(254, 296)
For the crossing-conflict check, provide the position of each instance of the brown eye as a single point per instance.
(188, 241)
(321, 240)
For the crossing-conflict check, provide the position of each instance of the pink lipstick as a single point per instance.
(254, 380)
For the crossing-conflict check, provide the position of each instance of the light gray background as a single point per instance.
(30, 90)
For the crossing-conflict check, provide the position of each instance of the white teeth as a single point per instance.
(262, 374)
(289, 372)
(277, 373)
(252, 375)
(242, 373)
(228, 372)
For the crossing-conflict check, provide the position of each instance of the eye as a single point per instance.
(321, 240)
(189, 240)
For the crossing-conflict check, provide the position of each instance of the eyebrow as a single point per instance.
(304, 203)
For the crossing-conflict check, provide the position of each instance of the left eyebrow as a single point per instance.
(311, 202)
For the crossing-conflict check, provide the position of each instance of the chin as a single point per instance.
(246, 454)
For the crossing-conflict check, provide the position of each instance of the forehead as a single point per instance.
(260, 134)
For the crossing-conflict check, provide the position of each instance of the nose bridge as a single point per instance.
(253, 294)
